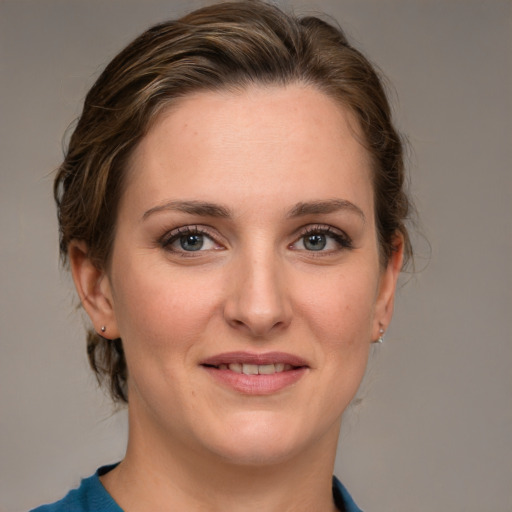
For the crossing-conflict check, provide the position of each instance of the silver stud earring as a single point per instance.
(381, 336)
(103, 328)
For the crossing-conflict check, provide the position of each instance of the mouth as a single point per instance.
(254, 369)
(249, 363)
(258, 374)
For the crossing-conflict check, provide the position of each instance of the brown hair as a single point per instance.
(226, 45)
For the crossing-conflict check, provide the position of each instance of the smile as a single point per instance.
(256, 374)
(256, 369)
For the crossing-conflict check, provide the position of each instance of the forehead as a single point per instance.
(293, 140)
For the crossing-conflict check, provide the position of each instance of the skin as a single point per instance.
(254, 286)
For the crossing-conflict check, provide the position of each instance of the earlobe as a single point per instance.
(94, 289)
(387, 287)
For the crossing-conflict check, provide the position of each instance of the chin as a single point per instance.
(263, 452)
(261, 439)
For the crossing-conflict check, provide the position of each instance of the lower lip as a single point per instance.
(256, 384)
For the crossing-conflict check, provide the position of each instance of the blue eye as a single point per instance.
(315, 242)
(186, 239)
(322, 239)
(191, 242)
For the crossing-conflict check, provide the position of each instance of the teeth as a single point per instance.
(255, 369)
(250, 369)
(266, 369)
(235, 367)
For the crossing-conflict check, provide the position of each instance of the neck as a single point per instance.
(159, 474)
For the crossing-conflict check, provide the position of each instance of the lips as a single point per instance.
(258, 374)
(256, 369)
(271, 362)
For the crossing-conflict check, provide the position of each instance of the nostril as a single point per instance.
(238, 324)
(258, 330)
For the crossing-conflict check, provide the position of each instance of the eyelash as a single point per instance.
(341, 238)
(173, 236)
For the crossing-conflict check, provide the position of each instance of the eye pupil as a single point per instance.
(191, 242)
(315, 242)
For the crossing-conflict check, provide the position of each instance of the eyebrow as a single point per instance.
(206, 209)
(329, 206)
(201, 208)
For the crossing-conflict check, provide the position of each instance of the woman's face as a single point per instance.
(245, 278)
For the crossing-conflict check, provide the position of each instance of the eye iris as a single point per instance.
(191, 242)
(315, 242)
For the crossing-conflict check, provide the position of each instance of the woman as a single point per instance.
(232, 209)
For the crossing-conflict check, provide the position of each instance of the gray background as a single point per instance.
(434, 430)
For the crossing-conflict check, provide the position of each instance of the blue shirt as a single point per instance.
(91, 496)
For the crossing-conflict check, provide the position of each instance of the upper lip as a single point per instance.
(254, 358)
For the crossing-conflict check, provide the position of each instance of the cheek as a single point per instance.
(160, 310)
(162, 318)
(340, 317)
(338, 314)
(340, 308)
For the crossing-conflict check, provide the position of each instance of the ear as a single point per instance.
(387, 287)
(94, 289)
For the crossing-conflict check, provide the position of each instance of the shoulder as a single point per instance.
(342, 498)
(88, 497)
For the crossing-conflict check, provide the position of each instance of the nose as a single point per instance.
(258, 302)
